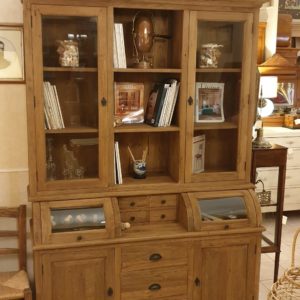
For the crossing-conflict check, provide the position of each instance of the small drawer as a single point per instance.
(154, 284)
(126, 203)
(163, 215)
(134, 217)
(163, 201)
(154, 255)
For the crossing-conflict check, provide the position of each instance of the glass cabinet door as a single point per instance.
(219, 67)
(70, 95)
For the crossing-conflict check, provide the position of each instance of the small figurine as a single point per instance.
(209, 56)
(68, 219)
(81, 218)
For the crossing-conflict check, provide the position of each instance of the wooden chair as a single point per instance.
(15, 285)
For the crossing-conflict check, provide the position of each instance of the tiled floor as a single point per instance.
(267, 259)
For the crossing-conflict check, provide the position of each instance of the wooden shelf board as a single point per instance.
(152, 178)
(69, 69)
(72, 130)
(218, 70)
(136, 70)
(208, 126)
(143, 128)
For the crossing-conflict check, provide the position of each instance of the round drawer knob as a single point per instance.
(163, 216)
(163, 201)
(79, 238)
(132, 203)
(226, 226)
(132, 218)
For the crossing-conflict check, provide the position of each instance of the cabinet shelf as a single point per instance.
(154, 70)
(72, 130)
(152, 178)
(213, 126)
(69, 69)
(144, 128)
(218, 70)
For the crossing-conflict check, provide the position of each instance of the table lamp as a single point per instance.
(265, 107)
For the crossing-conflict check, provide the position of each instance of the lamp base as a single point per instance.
(260, 141)
(143, 64)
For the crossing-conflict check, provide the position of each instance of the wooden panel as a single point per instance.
(135, 217)
(154, 255)
(133, 202)
(169, 282)
(7, 212)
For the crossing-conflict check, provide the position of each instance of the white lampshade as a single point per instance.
(267, 109)
(268, 87)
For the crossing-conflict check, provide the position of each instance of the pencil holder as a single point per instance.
(139, 169)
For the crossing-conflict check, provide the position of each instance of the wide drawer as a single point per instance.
(154, 255)
(154, 283)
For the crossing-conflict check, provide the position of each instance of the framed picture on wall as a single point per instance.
(11, 54)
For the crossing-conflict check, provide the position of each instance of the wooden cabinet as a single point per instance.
(80, 209)
(76, 274)
(227, 263)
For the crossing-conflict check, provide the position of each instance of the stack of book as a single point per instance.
(119, 47)
(117, 164)
(161, 103)
(53, 115)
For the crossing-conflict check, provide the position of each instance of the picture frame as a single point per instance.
(11, 54)
(198, 154)
(291, 7)
(129, 102)
(285, 94)
(209, 102)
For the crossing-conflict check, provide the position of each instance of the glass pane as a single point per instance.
(218, 72)
(70, 88)
(70, 157)
(69, 41)
(63, 220)
(230, 208)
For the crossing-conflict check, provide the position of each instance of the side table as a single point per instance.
(265, 158)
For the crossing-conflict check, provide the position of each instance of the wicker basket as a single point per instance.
(264, 197)
(288, 286)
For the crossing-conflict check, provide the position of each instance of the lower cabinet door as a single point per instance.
(81, 274)
(225, 269)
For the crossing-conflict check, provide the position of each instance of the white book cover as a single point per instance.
(115, 165)
(169, 102)
(123, 53)
(118, 160)
(59, 108)
(48, 107)
(53, 106)
(163, 111)
(120, 45)
(173, 104)
(198, 152)
(115, 58)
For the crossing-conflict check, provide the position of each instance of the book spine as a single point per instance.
(161, 104)
(123, 53)
(61, 120)
(173, 104)
(116, 63)
(48, 107)
(119, 170)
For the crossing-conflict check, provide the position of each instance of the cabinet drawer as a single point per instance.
(163, 201)
(133, 202)
(163, 215)
(134, 217)
(154, 284)
(154, 255)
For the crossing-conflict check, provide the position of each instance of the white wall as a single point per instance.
(13, 138)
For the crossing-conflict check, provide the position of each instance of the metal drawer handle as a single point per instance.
(155, 257)
(154, 287)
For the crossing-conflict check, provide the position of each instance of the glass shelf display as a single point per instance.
(76, 219)
(229, 208)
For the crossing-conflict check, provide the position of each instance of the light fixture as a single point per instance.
(265, 107)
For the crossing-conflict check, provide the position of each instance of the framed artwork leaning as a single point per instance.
(11, 54)
(209, 102)
(129, 102)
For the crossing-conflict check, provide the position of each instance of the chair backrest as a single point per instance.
(18, 213)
